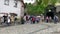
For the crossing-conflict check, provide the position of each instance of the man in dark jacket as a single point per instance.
(5, 18)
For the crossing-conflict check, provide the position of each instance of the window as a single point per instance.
(15, 3)
(6, 2)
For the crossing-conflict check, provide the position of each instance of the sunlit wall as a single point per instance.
(10, 8)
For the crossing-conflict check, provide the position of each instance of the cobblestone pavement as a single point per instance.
(43, 28)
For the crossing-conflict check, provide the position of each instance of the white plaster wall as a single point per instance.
(57, 9)
(10, 8)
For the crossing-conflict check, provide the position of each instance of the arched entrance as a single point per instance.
(50, 14)
(50, 11)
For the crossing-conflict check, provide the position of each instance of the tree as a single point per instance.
(38, 2)
(40, 6)
(53, 2)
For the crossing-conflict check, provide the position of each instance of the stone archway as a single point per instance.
(50, 11)
(50, 14)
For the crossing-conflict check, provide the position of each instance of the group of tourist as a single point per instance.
(40, 19)
(33, 19)
(55, 19)
(29, 19)
(7, 19)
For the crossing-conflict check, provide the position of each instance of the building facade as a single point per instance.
(12, 6)
(57, 7)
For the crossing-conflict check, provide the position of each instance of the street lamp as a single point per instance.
(49, 10)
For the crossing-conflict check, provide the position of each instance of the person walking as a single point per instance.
(33, 20)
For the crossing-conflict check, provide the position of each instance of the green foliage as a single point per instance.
(38, 2)
(53, 2)
(39, 8)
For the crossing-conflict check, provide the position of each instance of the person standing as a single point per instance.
(50, 19)
(47, 19)
(8, 23)
(42, 18)
(30, 18)
(22, 20)
(38, 19)
(56, 19)
(5, 18)
(27, 19)
(2, 20)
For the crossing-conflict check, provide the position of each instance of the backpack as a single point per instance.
(33, 19)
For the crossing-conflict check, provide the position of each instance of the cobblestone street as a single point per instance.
(43, 28)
